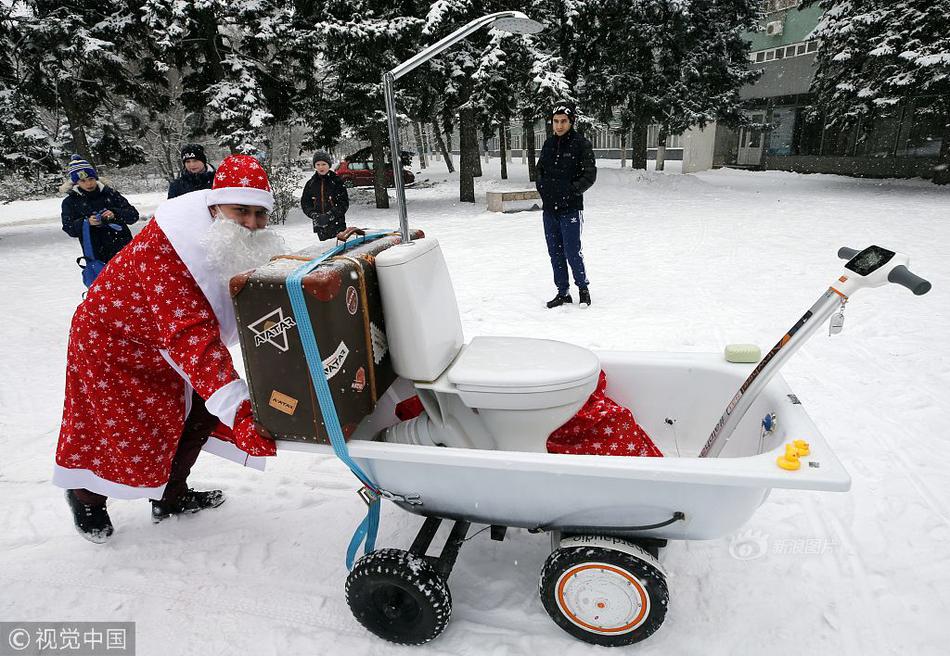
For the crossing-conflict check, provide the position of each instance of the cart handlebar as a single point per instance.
(899, 274)
(904, 276)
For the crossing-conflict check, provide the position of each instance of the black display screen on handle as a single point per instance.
(869, 260)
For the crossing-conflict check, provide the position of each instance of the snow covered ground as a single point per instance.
(676, 263)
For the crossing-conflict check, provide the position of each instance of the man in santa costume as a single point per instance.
(148, 370)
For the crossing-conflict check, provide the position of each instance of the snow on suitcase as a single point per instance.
(343, 302)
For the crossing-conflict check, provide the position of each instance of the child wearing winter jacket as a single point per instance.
(196, 172)
(108, 212)
(325, 199)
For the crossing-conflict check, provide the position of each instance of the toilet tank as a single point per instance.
(422, 316)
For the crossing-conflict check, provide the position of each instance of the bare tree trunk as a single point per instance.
(76, 129)
(942, 169)
(290, 144)
(661, 149)
(527, 126)
(468, 155)
(446, 153)
(377, 141)
(431, 147)
(167, 161)
(524, 144)
(447, 130)
(503, 151)
(476, 145)
(638, 154)
(419, 145)
(507, 129)
(623, 149)
(434, 154)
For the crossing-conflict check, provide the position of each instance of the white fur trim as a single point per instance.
(181, 372)
(230, 452)
(241, 196)
(185, 221)
(74, 479)
(224, 403)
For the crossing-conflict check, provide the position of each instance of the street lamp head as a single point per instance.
(517, 25)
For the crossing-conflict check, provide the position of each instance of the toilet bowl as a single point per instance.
(505, 393)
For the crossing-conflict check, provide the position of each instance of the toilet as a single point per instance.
(503, 393)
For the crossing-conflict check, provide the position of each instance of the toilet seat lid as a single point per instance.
(521, 365)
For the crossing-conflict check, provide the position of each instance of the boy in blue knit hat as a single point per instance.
(108, 212)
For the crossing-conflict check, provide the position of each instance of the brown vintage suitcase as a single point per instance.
(343, 301)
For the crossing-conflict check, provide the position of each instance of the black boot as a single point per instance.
(559, 300)
(583, 297)
(190, 502)
(92, 520)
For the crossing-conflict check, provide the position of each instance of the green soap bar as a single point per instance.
(743, 353)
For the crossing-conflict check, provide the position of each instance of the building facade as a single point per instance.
(787, 134)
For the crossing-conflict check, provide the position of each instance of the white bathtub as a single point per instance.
(677, 398)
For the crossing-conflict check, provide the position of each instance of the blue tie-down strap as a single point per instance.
(366, 531)
(92, 267)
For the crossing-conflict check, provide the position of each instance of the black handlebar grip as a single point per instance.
(902, 276)
(846, 253)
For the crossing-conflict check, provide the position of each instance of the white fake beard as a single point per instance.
(232, 249)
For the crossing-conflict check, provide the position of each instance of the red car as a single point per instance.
(360, 174)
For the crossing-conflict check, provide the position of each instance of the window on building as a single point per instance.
(808, 134)
(922, 134)
(879, 138)
(812, 46)
(770, 55)
(800, 49)
(760, 56)
(782, 132)
(755, 139)
(838, 141)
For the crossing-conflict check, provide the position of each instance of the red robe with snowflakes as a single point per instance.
(155, 325)
(602, 427)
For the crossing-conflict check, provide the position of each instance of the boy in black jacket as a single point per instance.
(108, 212)
(325, 199)
(195, 174)
(566, 169)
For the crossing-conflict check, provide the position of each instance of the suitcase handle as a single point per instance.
(349, 232)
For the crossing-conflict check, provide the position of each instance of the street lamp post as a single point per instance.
(509, 21)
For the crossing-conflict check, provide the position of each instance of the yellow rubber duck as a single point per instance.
(790, 460)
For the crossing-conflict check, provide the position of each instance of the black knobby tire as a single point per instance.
(399, 596)
(620, 576)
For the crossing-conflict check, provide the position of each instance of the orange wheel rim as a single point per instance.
(624, 576)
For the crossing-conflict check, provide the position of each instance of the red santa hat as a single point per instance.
(241, 180)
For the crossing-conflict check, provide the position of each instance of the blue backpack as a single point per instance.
(92, 267)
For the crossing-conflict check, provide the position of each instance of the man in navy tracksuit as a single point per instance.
(566, 169)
